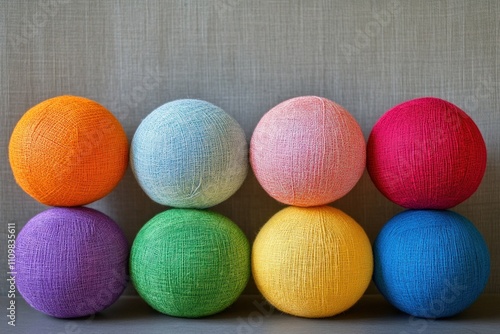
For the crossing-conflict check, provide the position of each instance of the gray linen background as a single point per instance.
(246, 57)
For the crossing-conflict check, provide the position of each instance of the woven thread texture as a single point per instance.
(426, 153)
(189, 154)
(68, 151)
(430, 263)
(307, 151)
(312, 262)
(71, 262)
(190, 263)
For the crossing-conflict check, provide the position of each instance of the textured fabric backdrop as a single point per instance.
(246, 57)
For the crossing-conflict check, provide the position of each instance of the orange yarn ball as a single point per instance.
(68, 151)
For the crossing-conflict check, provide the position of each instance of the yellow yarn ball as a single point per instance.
(312, 262)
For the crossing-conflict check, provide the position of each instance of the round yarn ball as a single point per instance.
(68, 151)
(307, 151)
(312, 262)
(189, 154)
(430, 263)
(190, 263)
(71, 262)
(426, 153)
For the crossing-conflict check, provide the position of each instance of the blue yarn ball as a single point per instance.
(430, 263)
(189, 154)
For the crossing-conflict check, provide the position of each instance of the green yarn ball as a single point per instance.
(190, 263)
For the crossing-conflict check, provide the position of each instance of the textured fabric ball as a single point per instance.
(307, 151)
(426, 153)
(71, 262)
(312, 262)
(68, 151)
(189, 154)
(190, 263)
(430, 263)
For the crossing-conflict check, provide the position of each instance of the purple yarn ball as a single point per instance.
(71, 262)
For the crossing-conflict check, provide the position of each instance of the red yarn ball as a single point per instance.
(426, 153)
(307, 151)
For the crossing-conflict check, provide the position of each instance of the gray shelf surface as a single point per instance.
(251, 314)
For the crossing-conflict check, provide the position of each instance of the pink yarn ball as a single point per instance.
(426, 153)
(307, 151)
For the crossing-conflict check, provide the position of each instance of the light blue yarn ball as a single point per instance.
(189, 154)
(430, 263)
